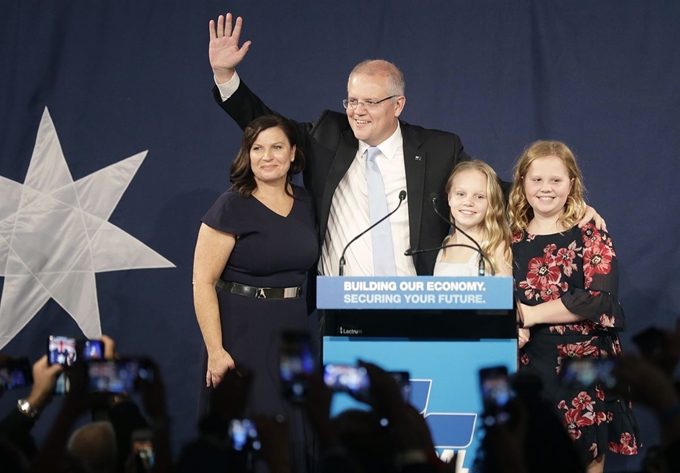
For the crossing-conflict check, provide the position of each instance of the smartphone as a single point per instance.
(91, 349)
(296, 363)
(589, 372)
(118, 376)
(243, 435)
(65, 350)
(650, 341)
(61, 350)
(496, 394)
(16, 373)
(348, 379)
(142, 450)
(404, 382)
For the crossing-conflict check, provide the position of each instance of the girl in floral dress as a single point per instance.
(567, 287)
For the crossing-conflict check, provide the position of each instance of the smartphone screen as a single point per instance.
(16, 373)
(589, 372)
(349, 379)
(496, 393)
(296, 364)
(142, 450)
(61, 350)
(243, 435)
(117, 376)
(88, 349)
(92, 350)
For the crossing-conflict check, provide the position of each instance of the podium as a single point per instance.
(441, 330)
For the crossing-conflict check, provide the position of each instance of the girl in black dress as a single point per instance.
(567, 283)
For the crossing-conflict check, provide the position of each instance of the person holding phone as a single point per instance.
(567, 285)
(254, 248)
(16, 426)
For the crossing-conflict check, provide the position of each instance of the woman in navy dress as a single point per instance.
(254, 248)
(567, 284)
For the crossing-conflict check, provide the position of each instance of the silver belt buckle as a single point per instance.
(260, 294)
(290, 292)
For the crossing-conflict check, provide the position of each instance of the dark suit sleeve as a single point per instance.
(243, 106)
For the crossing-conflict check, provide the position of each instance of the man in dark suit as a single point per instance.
(412, 159)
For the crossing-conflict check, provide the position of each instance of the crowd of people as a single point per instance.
(390, 436)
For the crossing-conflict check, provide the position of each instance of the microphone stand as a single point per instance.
(434, 199)
(341, 263)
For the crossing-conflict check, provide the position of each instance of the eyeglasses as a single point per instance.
(354, 103)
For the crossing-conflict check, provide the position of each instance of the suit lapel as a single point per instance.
(414, 163)
(347, 150)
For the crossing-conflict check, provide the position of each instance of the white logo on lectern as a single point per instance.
(350, 331)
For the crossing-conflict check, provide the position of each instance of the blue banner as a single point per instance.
(418, 292)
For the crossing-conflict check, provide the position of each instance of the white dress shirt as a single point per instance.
(349, 214)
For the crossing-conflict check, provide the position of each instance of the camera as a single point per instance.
(118, 376)
(243, 435)
(16, 373)
(589, 372)
(496, 394)
(295, 365)
(348, 379)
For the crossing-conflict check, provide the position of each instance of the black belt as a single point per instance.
(260, 292)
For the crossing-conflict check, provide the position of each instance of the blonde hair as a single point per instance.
(495, 225)
(520, 211)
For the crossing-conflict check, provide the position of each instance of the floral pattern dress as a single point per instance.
(579, 267)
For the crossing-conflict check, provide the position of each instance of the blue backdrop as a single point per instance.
(120, 78)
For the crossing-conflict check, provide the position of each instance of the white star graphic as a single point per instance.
(55, 235)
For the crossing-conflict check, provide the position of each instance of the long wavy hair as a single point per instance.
(495, 230)
(241, 176)
(519, 210)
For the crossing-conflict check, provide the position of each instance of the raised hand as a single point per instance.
(224, 51)
(44, 379)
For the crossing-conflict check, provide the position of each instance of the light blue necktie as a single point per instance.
(381, 236)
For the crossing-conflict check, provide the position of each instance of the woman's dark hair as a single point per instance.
(241, 176)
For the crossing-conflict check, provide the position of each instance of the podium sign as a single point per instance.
(420, 292)
(441, 330)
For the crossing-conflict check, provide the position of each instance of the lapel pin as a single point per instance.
(419, 158)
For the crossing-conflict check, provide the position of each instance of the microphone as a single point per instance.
(341, 263)
(434, 199)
